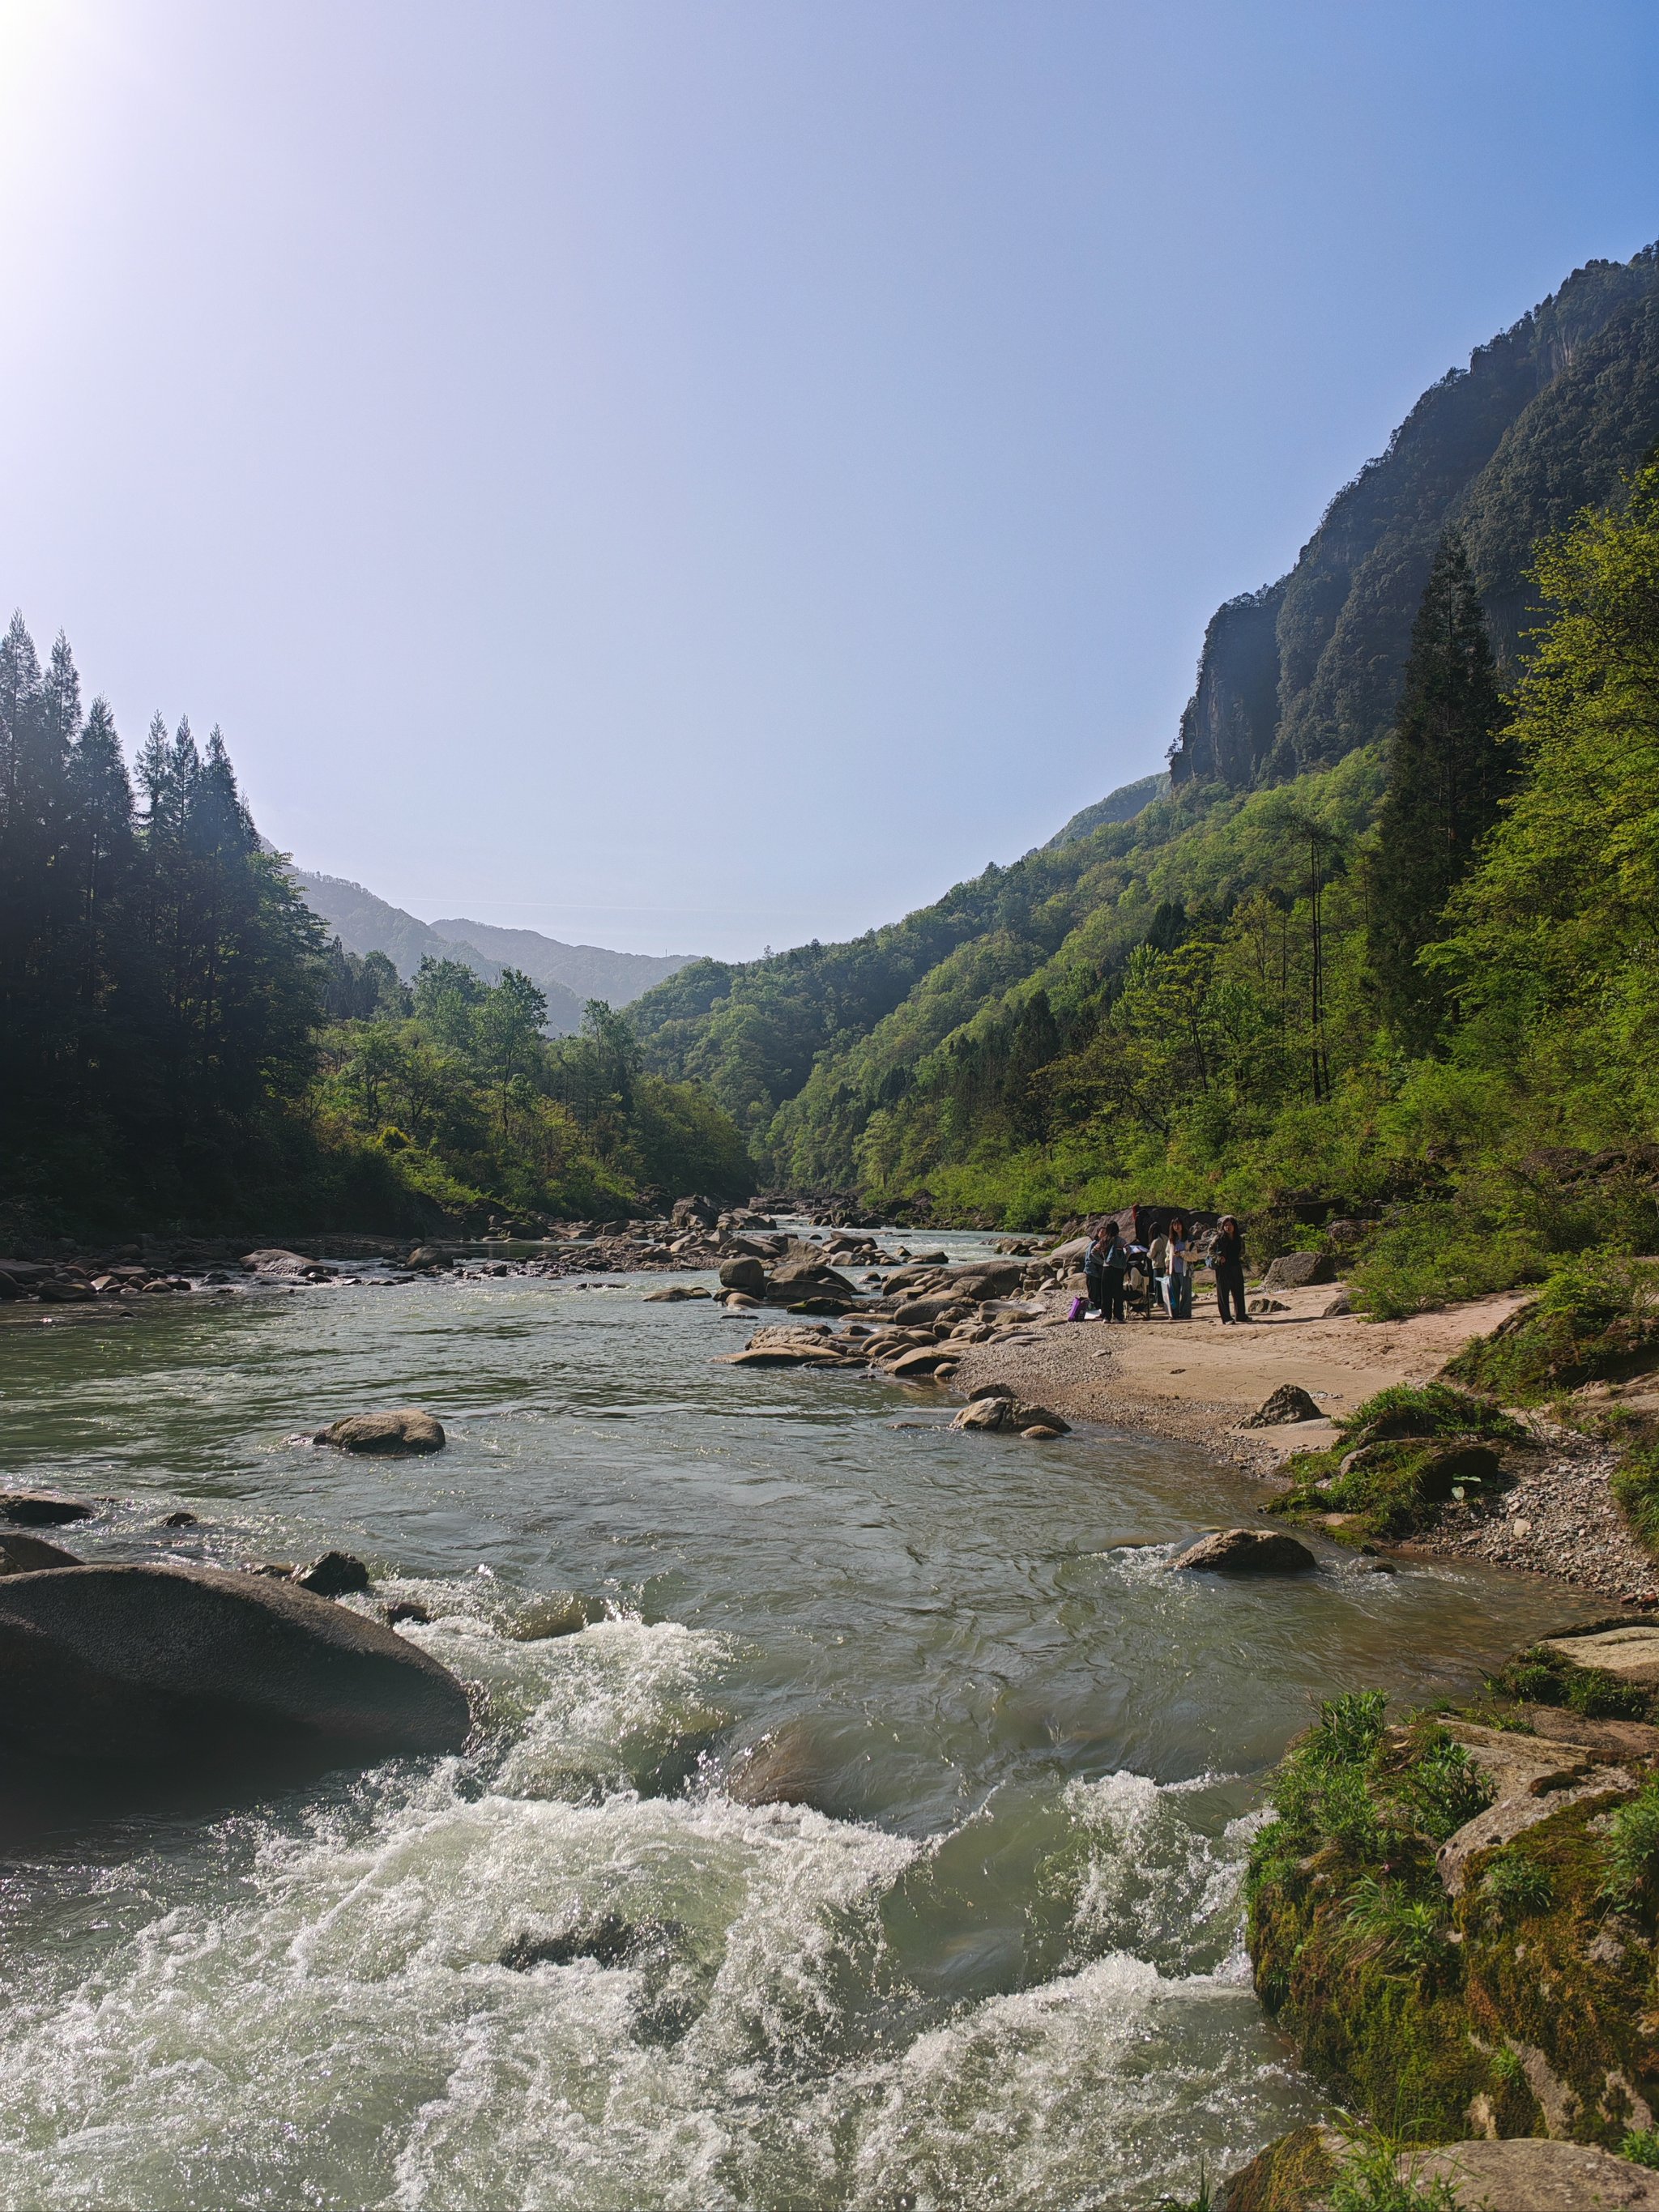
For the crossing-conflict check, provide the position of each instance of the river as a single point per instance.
(994, 1963)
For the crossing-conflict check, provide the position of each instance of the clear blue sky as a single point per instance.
(695, 474)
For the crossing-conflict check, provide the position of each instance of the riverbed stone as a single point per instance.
(29, 1555)
(404, 1430)
(1290, 1402)
(146, 1663)
(1632, 1653)
(1519, 2174)
(746, 1273)
(337, 1574)
(1246, 1552)
(1295, 1271)
(39, 1508)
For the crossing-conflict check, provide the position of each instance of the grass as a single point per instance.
(1418, 1444)
(1539, 1677)
(1594, 1319)
(1636, 1488)
(1404, 2000)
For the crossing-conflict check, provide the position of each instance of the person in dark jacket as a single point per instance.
(1227, 1258)
(1113, 1267)
(1094, 1263)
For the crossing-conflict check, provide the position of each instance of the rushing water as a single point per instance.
(994, 1963)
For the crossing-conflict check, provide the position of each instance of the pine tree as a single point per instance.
(1449, 766)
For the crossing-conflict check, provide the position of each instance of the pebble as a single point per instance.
(1561, 1518)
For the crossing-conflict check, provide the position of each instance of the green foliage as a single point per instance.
(1377, 2176)
(1448, 770)
(1426, 1410)
(1519, 1886)
(180, 1046)
(1413, 2005)
(1543, 1677)
(1640, 2146)
(1635, 1487)
(1630, 1849)
(1594, 1317)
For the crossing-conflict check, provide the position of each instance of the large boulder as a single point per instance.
(276, 1260)
(806, 1270)
(1290, 1402)
(1294, 1271)
(39, 1508)
(1246, 1552)
(1519, 2174)
(150, 1663)
(695, 1212)
(30, 1555)
(746, 1273)
(401, 1433)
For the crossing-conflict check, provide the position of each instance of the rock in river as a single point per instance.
(406, 1430)
(40, 1510)
(337, 1574)
(30, 1555)
(172, 1663)
(1248, 1552)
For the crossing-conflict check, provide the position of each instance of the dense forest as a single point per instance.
(1293, 979)
(183, 1047)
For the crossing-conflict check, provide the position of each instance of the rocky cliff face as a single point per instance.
(1545, 420)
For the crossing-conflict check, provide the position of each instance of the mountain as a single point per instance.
(1119, 805)
(1549, 418)
(884, 1060)
(570, 975)
(587, 970)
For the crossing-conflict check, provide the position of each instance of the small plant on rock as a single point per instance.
(1518, 1885)
(1641, 2147)
(1370, 2180)
(1631, 1848)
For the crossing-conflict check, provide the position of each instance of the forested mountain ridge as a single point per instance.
(966, 1058)
(1546, 419)
(183, 1047)
(568, 975)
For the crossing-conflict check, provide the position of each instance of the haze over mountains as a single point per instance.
(570, 975)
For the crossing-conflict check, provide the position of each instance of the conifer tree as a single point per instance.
(1449, 766)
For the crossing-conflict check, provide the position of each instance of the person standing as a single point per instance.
(1113, 1267)
(1227, 1258)
(1158, 1261)
(1178, 1274)
(1094, 1263)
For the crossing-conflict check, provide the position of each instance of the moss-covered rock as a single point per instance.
(1400, 1456)
(1523, 2005)
(1597, 1319)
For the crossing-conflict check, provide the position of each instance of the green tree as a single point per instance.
(1449, 766)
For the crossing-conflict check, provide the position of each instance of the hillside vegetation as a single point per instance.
(183, 1049)
(1399, 968)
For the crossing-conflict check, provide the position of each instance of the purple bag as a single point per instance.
(1079, 1307)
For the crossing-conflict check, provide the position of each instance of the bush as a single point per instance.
(1431, 1260)
(1544, 1678)
(1518, 1885)
(1595, 1317)
(1426, 1410)
(1631, 1848)
(1635, 1487)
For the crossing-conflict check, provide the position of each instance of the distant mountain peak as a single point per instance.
(570, 975)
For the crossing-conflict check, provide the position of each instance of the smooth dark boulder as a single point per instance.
(1246, 1552)
(31, 1555)
(404, 1430)
(1290, 1402)
(746, 1273)
(170, 1663)
(40, 1509)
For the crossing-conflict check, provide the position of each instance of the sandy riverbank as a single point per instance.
(1199, 1381)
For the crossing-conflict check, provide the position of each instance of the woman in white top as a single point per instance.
(1178, 1273)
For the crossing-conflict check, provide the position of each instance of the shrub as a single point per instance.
(1427, 1410)
(1416, 1265)
(1641, 2147)
(1544, 1678)
(1371, 2181)
(1519, 1886)
(1630, 1847)
(1593, 1318)
(1635, 1487)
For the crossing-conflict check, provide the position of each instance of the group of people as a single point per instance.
(1115, 1264)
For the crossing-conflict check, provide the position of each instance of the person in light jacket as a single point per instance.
(1176, 1273)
